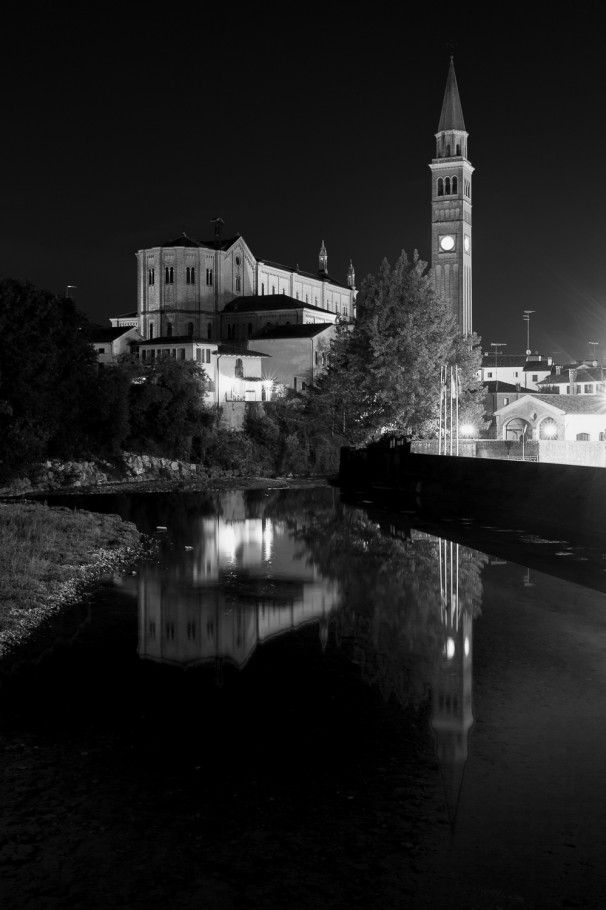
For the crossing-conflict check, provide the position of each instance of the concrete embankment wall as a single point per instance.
(533, 495)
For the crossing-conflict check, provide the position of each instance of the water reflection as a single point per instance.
(239, 582)
(400, 603)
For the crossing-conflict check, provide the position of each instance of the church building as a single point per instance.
(451, 173)
(217, 290)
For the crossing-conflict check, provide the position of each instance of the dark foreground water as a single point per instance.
(305, 704)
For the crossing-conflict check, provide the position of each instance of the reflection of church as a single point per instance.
(238, 584)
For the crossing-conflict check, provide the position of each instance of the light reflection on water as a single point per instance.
(402, 606)
(504, 663)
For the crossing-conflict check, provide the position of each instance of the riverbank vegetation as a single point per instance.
(48, 556)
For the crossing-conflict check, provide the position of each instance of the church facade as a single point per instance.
(451, 172)
(185, 285)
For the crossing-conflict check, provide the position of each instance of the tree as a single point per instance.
(166, 408)
(384, 371)
(47, 371)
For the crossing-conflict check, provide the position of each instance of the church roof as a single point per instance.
(306, 330)
(321, 276)
(451, 117)
(263, 302)
(186, 241)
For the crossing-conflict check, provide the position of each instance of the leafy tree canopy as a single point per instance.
(46, 368)
(384, 371)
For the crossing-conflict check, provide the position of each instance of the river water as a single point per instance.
(308, 703)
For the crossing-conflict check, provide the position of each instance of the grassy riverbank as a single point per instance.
(49, 556)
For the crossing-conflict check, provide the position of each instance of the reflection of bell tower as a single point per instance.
(451, 716)
(451, 208)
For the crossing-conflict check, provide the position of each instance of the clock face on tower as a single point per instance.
(467, 243)
(447, 243)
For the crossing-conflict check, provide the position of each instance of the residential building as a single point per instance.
(235, 374)
(583, 378)
(525, 370)
(299, 353)
(112, 342)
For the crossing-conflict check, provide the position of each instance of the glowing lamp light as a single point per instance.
(549, 429)
(450, 648)
(467, 430)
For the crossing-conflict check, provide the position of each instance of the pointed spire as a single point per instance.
(351, 275)
(451, 117)
(323, 259)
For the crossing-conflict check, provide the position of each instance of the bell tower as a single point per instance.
(451, 172)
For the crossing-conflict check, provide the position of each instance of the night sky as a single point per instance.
(297, 127)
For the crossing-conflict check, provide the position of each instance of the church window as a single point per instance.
(190, 329)
(455, 185)
(262, 289)
(151, 276)
(169, 274)
(297, 295)
(440, 186)
(190, 275)
(151, 330)
(458, 149)
(239, 369)
(209, 278)
(273, 289)
(238, 283)
(448, 151)
(447, 186)
(169, 331)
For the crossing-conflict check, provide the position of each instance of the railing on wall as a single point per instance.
(582, 453)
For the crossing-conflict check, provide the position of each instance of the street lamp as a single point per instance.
(496, 345)
(527, 315)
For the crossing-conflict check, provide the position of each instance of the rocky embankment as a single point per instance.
(83, 475)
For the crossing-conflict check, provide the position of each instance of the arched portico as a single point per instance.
(518, 428)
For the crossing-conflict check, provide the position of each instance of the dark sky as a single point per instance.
(303, 126)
